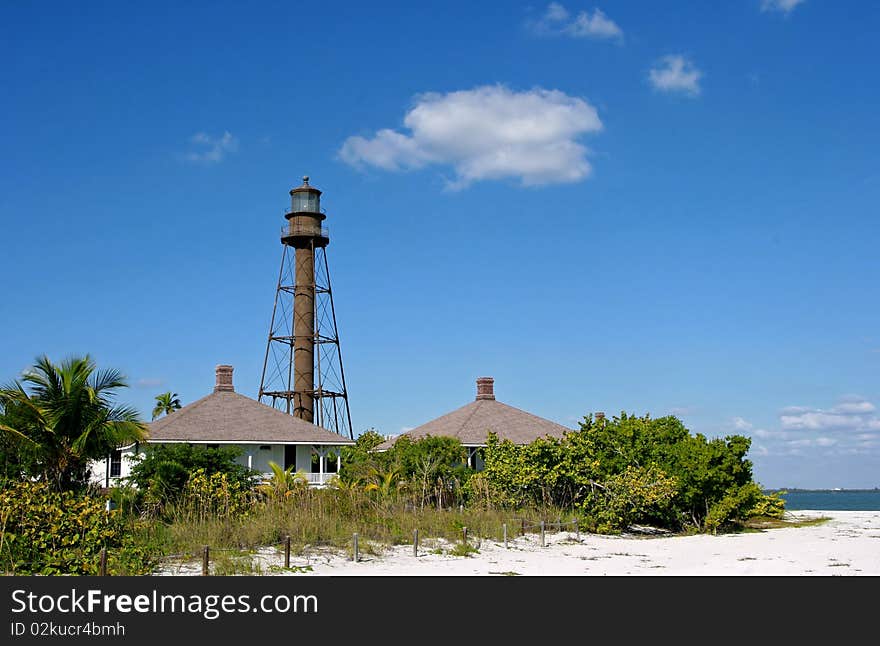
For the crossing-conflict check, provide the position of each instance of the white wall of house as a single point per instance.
(256, 456)
(98, 468)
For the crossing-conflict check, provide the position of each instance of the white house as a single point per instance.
(227, 418)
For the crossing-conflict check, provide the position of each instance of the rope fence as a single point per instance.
(208, 554)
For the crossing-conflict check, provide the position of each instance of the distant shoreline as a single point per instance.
(837, 489)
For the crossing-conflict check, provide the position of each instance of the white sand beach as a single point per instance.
(846, 545)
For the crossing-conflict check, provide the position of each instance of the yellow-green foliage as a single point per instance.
(740, 504)
(629, 496)
(49, 532)
(214, 496)
(769, 506)
(283, 483)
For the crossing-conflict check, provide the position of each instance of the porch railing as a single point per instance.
(320, 478)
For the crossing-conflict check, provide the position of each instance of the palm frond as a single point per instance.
(18, 434)
(108, 379)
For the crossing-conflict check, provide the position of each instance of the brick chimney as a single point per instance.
(600, 419)
(224, 379)
(485, 388)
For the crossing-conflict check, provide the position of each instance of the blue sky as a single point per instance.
(658, 208)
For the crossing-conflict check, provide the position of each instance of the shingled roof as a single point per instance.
(226, 416)
(471, 423)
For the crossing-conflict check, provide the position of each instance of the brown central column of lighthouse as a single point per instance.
(304, 233)
(304, 335)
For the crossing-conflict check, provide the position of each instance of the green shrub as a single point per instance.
(164, 470)
(628, 470)
(43, 531)
(630, 497)
(769, 505)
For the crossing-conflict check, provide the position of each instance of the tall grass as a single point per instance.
(329, 517)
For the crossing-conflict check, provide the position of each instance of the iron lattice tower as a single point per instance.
(302, 369)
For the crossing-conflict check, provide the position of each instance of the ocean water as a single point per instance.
(832, 499)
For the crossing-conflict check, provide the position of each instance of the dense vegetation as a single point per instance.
(161, 475)
(609, 476)
(58, 417)
(629, 470)
(429, 471)
(44, 531)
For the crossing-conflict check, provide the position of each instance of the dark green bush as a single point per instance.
(630, 470)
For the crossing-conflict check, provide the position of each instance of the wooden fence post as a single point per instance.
(523, 531)
(355, 541)
(577, 526)
(416, 543)
(102, 567)
(287, 551)
(205, 558)
(464, 535)
(543, 544)
(504, 527)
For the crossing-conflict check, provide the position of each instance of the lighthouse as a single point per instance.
(302, 368)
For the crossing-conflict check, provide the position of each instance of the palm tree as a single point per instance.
(283, 482)
(385, 482)
(66, 416)
(166, 403)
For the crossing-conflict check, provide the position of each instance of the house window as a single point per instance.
(265, 447)
(116, 463)
(211, 446)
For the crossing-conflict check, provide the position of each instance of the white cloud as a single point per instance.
(490, 132)
(804, 431)
(849, 428)
(854, 404)
(810, 442)
(555, 13)
(596, 26)
(149, 382)
(855, 408)
(781, 6)
(555, 22)
(852, 413)
(745, 427)
(388, 150)
(211, 149)
(675, 73)
(767, 435)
